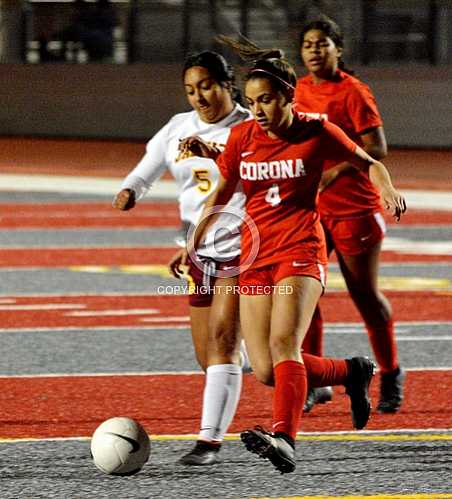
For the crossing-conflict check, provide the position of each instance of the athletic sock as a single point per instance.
(220, 400)
(313, 341)
(323, 371)
(289, 396)
(245, 363)
(384, 346)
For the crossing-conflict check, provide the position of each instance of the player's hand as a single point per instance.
(124, 200)
(394, 202)
(198, 147)
(178, 260)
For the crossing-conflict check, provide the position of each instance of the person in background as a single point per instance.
(349, 203)
(278, 159)
(92, 26)
(209, 84)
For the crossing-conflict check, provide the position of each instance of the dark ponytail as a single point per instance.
(219, 69)
(266, 63)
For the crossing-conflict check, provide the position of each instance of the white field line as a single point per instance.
(424, 338)
(186, 320)
(103, 374)
(72, 211)
(439, 200)
(161, 373)
(166, 319)
(107, 313)
(330, 327)
(81, 295)
(62, 329)
(43, 306)
(79, 185)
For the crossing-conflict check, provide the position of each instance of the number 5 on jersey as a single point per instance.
(272, 197)
(202, 177)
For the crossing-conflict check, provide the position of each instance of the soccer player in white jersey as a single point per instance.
(210, 89)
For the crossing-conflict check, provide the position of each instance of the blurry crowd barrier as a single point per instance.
(77, 31)
(376, 31)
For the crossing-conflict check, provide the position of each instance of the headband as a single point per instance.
(287, 84)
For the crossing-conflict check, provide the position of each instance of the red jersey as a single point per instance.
(350, 104)
(280, 180)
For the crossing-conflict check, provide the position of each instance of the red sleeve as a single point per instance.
(338, 147)
(228, 161)
(362, 109)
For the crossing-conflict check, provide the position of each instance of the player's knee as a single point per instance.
(282, 346)
(223, 337)
(264, 374)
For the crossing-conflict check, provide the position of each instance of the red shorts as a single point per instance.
(203, 279)
(264, 280)
(353, 236)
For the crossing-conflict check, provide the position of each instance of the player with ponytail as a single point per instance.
(278, 159)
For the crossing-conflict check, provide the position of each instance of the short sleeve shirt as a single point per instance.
(350, 104)
(280, 181)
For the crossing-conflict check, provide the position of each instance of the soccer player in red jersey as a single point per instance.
(278, 157)
(349, 203)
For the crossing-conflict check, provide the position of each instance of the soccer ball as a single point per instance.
(120, 446)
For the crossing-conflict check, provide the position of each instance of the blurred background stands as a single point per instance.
(376, 31)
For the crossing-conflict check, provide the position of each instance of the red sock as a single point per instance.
(289, 396)
(313, 341)
(384, 346)
(324, 371)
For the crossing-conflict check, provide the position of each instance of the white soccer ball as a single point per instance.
(120, 446)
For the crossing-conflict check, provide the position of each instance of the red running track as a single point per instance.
(171, 404)
(168, 310)
(146, 214)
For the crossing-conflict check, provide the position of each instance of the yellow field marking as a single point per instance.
(383, 496)
(339, 437)
(336, 281)
(159, 270)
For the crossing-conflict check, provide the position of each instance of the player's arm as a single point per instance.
(374, 143)
(150, 168)
(380, 177)
(199, 147)
(211, 211)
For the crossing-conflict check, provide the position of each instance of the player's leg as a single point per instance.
(255, 315)
(223, 375)
(313, 341)
(291, 315)
(361, 276)
(294, 302)
(313, 344)
(199, 322)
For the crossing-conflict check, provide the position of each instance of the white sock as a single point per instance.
(244, 359)
(221, 397)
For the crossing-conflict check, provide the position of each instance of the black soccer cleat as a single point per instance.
(317, 396)
(391, 391)
(202, 454)
(272, 447)
(360, 375)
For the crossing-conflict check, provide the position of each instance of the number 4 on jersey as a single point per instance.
(272, 197)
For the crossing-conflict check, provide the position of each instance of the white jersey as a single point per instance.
(196, 177)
